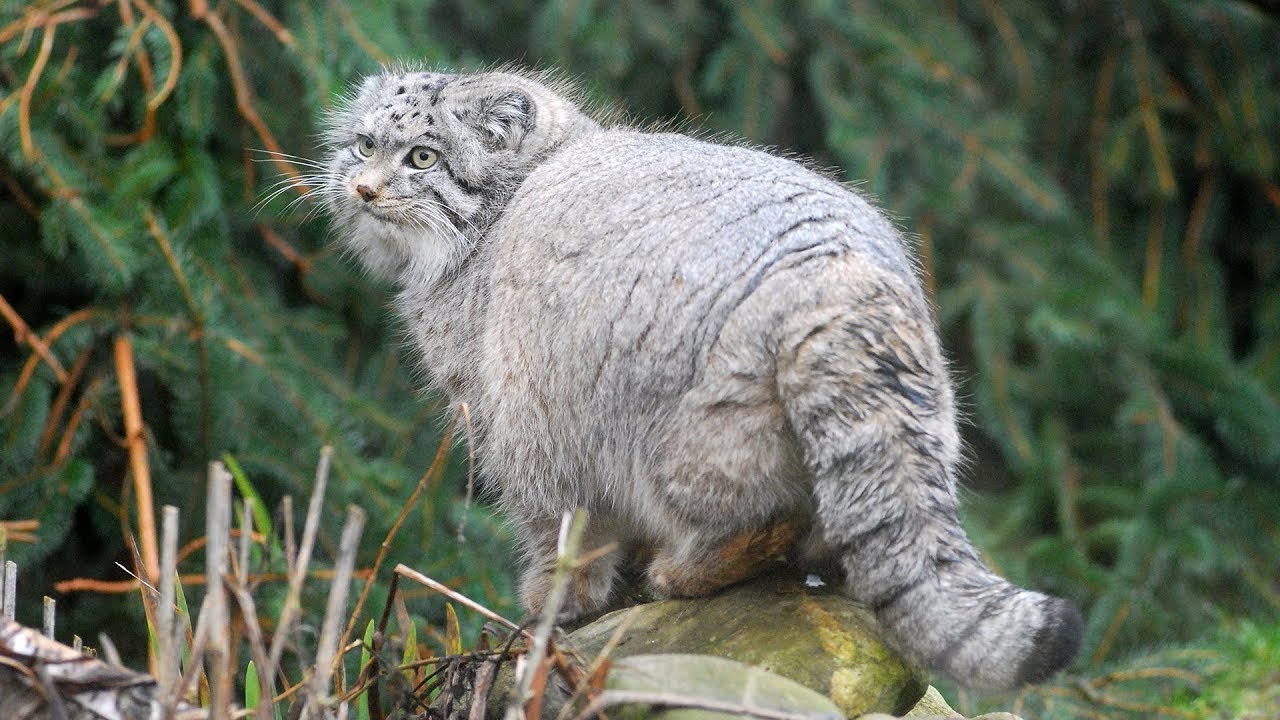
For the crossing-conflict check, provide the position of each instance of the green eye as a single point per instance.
(422, 157)
(364, 145)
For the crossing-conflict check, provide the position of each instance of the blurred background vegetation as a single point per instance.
(1092, 185)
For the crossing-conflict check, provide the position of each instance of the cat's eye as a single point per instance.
(422, 157)
(364, 145)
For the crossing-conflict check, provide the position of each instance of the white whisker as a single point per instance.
(272, 156)
(313, 186)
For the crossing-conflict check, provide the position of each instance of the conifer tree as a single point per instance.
(1092, 187)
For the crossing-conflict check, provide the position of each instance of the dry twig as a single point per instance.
(214, 615)
(298, 571)
(22, 333)
(131, 408)
(433, 473)
(408, 572)
(327, 652)
(168, 644)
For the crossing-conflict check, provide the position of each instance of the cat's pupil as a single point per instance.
(422, 158)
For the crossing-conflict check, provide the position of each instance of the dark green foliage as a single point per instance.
(1230, 673)
(1093, 187)
(250, 334)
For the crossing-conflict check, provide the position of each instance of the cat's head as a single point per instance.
(423, 162)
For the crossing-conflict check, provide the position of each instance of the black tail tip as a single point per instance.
(1056, 644)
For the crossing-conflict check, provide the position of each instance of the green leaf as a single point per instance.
(452, 633)
(261, 517)
(252, 693)
(363, 711)
(706, 678)
(410, 655)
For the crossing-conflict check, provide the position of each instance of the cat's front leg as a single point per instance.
(590, 584)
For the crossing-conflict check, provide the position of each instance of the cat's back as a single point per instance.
(619, 210)
(701, 199)
(622, 258)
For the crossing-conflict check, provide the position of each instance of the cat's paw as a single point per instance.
(587, 593)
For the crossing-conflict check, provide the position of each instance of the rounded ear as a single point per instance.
(504, 118)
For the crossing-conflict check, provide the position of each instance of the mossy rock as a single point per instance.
(814, 636)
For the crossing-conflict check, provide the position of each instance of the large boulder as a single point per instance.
(774, 644)
(812, 635)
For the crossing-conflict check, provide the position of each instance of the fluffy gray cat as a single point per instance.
(721, 355)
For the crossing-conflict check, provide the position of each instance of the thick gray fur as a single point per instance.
(693, 341)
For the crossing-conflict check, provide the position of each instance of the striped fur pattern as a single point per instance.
(715, 351)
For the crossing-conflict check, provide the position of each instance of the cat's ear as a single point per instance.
(504, 118)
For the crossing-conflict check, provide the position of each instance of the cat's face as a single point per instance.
(418, 162)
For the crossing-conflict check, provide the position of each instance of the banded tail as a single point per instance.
(868, 397)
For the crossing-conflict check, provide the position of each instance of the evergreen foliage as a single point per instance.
(1093, 186)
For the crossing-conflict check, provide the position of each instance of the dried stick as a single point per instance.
(136, 53)
(572, 526)
(480, 690)
(287, 251)
(63, 399)
(433, 472)
(370, 47)
(290, 549)
(195, 669)
(241, 88)
(32, 17)
(28, 89)
(10, 589)
(214, 609)
(22, 333)
(131, 407)
(408, 572)
(175, 54)
(257, 648)
(298, 571)
(327, 650)
(115, 587)
(63, 450)
(246, 537)
(167, 640)
(50, 615)
(276, 27)
(108, 649)
(600, 665)
(130, 52)
(17, 531)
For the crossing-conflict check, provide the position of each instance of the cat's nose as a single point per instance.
(366, 192)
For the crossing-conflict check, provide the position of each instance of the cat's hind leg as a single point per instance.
(698, 563)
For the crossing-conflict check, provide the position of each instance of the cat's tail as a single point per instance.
(866, 392)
